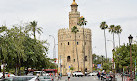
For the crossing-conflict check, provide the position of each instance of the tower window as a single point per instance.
(61, 43)
(74, 60)
(85, 58)
(68, 59)
(77, 43)
(68, 43)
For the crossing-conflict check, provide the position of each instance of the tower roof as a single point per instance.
(74, 3)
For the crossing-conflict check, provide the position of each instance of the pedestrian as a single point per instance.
(98, 74)
(59, 77)
(69, 74)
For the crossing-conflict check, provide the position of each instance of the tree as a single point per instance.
(34, 28)
(112, 30)
(75, 30)
(83, 22)
(118, 32)
(18, 50)
(3, 28)
(122, 55)
(104, 26)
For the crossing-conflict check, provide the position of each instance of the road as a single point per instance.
(85, 78)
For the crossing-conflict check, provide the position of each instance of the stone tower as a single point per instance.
(67, 56)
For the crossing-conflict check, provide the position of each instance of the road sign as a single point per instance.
(69, 66)
(99, 66)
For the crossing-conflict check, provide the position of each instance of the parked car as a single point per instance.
(45, 78)
(92, 74)
(24, 78)
(77, 73)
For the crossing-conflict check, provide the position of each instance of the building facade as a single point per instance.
(67, 54)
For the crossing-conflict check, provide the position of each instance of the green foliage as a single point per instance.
(72, 68)
(107, 66)
(74, 29)
(122, 55)
(19, 50)
(103, 25)
(82, 21)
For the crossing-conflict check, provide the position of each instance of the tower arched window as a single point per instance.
(77, 43)
(68, 43)
(68, 58)
(85, 58)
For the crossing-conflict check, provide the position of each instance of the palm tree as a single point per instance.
(75, 30)
(83, 22)
(112, 30)
(118, 32)
(104, 26)
(33, 27)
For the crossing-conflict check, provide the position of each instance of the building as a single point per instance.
(67, 54)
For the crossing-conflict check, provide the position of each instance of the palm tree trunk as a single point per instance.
(34, 35)
(76, 52)
(113, 42)
(83, 52)
(119, 39)
(105, 44)
(3, 70)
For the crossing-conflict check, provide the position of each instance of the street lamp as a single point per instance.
(130, 42)
(54, 48)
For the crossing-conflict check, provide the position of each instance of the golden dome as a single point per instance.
(74, 3)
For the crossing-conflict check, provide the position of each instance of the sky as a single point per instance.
(53, 15)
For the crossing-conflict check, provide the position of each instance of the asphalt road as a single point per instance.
(85, 78)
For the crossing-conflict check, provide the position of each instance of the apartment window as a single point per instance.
(68, 43)
(68, 59)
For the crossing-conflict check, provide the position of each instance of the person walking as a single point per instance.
(98, 74)
(69, 74)
(59, 77)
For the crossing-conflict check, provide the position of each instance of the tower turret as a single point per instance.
(73, 15)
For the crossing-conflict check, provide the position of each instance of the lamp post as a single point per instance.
(130, 42)
(54, 48)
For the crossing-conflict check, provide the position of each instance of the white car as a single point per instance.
(92, 74)
(24, 78)
(77, 73)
